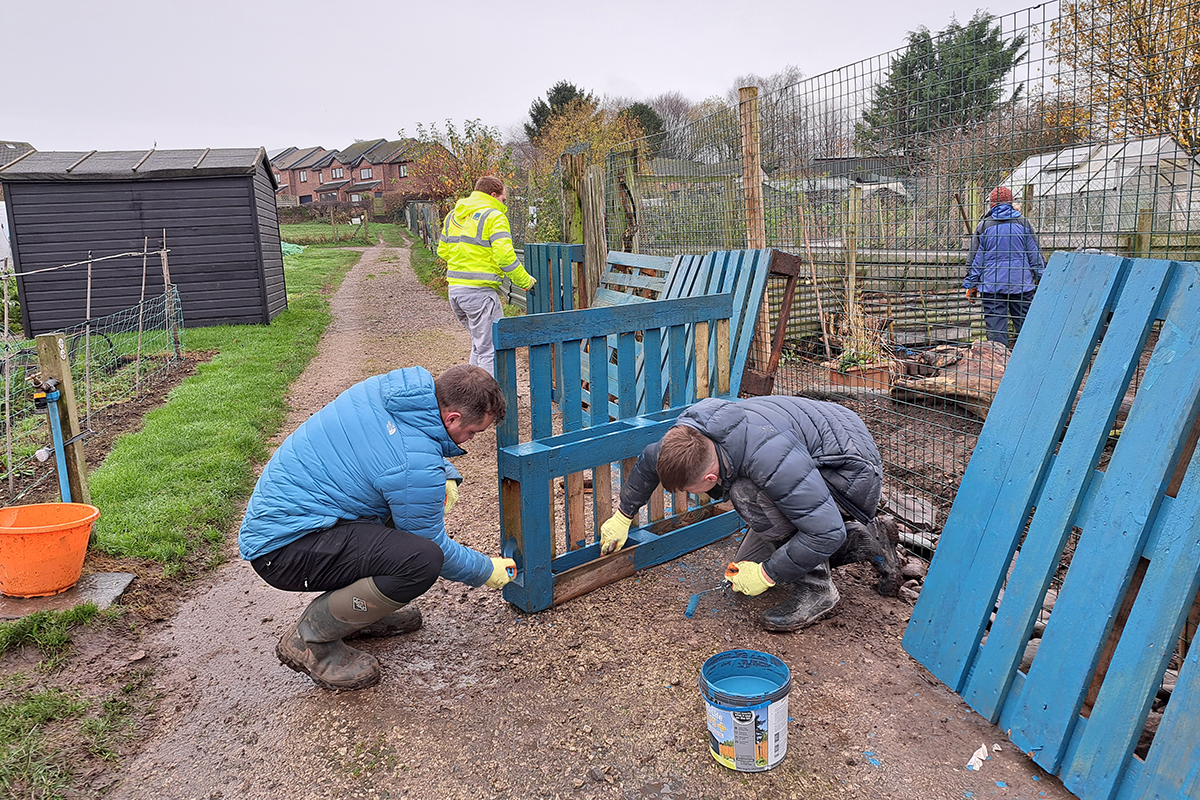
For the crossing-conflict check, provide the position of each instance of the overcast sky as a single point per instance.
(126, 75)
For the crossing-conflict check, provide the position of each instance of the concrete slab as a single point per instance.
(101, 588)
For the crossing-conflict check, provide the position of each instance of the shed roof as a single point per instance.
(118, 165)
(11, 151)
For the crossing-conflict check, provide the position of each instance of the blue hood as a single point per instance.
(1004, 211)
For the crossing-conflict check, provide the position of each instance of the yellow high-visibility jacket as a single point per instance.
(476, 245)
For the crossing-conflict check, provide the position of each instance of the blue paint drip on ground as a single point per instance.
(870, 756)
(1001, 785)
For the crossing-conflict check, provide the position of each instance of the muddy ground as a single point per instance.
(594, 699)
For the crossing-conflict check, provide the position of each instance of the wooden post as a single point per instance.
(1145, 230)
(854, 317)
(137, 362)
(168, 297)
(756, 225)
(595, 234)
(974, 204)
(52, 362)
(7, 392)
(572, 183)
(87, 344)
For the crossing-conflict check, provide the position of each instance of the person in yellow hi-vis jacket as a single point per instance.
(476, 244)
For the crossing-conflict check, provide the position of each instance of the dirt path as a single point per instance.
(595, 699)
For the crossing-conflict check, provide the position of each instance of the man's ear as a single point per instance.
(450, 416)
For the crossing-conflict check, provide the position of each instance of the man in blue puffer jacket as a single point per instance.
(352, 505)
(1005, 266)
(804, 475)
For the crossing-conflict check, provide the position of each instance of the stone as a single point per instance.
(101, 588)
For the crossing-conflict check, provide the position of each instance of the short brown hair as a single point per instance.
(471, 391)
(683, 457)
(489, 184)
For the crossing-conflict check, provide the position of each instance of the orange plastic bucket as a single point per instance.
(42, 547)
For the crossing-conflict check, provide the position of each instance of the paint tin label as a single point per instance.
(748, 739)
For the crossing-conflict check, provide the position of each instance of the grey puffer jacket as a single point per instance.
(809, 457)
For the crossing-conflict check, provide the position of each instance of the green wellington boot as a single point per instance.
(314, 645)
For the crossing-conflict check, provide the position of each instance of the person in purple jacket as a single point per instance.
(1005, 265)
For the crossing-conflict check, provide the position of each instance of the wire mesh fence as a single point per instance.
(111, 359)
(883, 177)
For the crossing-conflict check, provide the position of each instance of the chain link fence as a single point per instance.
(878, 174)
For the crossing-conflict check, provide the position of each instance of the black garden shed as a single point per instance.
(217, 208)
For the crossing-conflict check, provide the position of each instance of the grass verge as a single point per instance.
(170, 491)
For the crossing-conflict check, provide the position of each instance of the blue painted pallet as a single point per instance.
(584, 438)
(1032, 480)
(741, 273)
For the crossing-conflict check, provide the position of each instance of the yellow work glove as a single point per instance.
(503, 571)
(748, 577)
(529, 288)
(451, 495)
(614, 532)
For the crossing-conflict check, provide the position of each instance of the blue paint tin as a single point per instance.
(746, 693)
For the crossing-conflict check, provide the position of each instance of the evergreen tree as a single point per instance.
(645, 116)
(943, 81)
(560, 95)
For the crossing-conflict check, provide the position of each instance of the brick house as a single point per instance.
(364, 170)
(297, 175)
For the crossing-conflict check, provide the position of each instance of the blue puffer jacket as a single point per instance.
(377, 451)
(1005, 257)
(810, 457)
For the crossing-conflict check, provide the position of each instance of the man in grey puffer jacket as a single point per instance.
(804, 475)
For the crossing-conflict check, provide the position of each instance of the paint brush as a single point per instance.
(694, 603)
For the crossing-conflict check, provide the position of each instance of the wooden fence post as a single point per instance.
(52, 362)
(1145, 229)
(756, 224)
(595, 233)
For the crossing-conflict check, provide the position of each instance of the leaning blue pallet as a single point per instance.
(1044, 469)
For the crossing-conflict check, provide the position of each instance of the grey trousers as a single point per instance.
(477, 309)
(769, 528)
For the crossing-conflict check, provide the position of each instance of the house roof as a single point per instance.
(313, 160)
(290, 159)
(11, 151)
(110, 165)
(274, 155)
(364, 186)
(352, 154)
(281, 188)
(332, 186)
(392, 152)
(1095, 167)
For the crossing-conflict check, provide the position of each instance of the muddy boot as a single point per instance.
(813, 597)
(874, 543)
(314, 645)
(405, 619)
